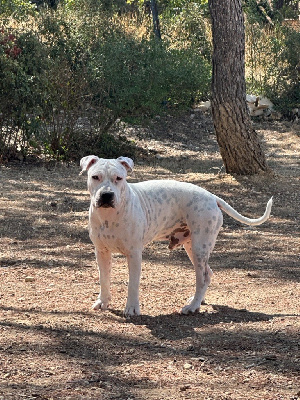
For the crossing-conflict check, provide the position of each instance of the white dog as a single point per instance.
(125, 217)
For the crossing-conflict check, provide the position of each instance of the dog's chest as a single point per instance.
(117, 235)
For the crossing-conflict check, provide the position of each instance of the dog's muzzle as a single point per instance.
(106, 200)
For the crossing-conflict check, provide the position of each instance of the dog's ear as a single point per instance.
(87, 162)
(127, 163)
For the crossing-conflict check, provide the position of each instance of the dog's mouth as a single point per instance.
(105, 205)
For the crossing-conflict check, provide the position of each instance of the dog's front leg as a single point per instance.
(134, 267)
(104, 264)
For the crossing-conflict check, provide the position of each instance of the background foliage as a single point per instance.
(70, 69)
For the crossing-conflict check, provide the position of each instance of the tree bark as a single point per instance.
(155, 18)
(239, 144)
(278, 4)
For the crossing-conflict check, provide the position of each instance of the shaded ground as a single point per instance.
(244, 344)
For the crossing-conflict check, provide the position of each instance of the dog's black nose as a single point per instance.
(106, 199)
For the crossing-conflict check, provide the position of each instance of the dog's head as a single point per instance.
(106, 179)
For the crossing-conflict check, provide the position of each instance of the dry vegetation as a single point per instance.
(244, 344)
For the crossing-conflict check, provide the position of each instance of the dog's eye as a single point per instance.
(119, 178)
(95, 177)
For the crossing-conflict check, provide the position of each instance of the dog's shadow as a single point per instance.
(177, 326)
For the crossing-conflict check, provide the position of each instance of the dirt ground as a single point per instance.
(244, 343)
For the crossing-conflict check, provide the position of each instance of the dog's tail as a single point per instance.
(248, 221)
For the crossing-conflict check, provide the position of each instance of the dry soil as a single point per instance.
(244, 343)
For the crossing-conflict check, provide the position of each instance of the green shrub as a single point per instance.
(20, 94)
(19, 9)
(142, 78)
(73, 75)
(285, 89)
(272, 59)
(187, 25)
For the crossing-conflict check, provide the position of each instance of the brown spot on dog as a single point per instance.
(178, 236)
(173, 242)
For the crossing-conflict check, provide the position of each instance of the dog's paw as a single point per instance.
(100, 305)
(192, 307)
(132, 310)
(189, 309)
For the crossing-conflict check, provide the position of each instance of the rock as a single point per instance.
(30, 279)
(184, 388)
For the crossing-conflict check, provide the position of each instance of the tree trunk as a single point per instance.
(155, 18)
(278, 4)
(239, 144)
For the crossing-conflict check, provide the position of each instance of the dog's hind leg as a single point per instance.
(198, 249)
(188, 249)
(203, 278)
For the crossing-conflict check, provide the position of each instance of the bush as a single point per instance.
(143, 78)
(20, 9)
(44, 89)
(188, 26)
(272, 67)
(21, 79)
(285, 90)
(73, 75)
